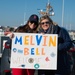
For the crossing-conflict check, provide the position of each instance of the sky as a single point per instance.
(16, 12)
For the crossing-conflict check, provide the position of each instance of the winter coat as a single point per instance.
(5, 60)
(64, 44)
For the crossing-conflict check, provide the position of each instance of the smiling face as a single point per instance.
(32, 24)
(45, 24)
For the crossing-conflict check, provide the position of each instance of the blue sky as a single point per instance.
(12, 11)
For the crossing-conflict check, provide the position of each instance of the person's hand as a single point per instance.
(11, 35)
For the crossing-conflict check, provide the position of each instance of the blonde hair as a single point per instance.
(46, 17)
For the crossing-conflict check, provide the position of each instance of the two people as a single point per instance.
(46, 26)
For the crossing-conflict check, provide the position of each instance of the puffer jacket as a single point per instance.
(64, 45)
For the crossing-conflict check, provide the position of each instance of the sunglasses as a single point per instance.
(33, 22)
(44, 23)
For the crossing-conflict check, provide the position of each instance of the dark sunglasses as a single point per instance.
(44, 23)
(33, 22)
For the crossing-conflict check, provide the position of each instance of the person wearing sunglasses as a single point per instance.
(30, 27)
(64, 44)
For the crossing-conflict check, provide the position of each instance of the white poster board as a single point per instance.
(34, 51)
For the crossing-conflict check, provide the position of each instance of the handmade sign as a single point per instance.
(34, 51)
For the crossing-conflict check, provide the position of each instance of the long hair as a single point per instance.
(25, 28)
(42, 18)
(46, 17)
(19, 29)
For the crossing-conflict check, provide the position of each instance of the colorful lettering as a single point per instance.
(18, 40)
